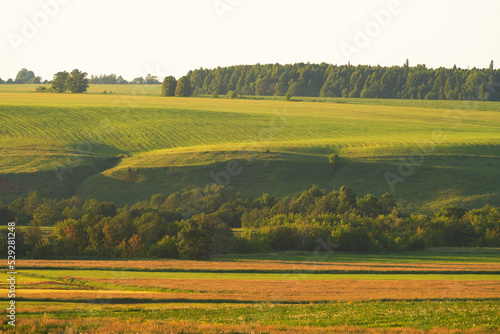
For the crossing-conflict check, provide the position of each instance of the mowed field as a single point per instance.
(438, 291)
(125, 148)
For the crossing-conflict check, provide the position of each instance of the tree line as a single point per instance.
(327, 80)
(169, 227)
(321, 80)
(26, 76)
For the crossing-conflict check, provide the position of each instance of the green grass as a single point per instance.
(118, 274)
(430, 255)
(137, 310)
(426, 315)
(172, 144)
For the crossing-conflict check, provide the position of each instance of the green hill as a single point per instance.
(126, 148)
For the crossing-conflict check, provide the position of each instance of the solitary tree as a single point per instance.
(334, 160)
(169, 86)
(78, 82)
(59, 83)
(183, 88)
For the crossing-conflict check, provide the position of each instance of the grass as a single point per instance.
(358, 317)
(136, 296)
(64, 144)
(446, 255)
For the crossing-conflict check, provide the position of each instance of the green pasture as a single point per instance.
(424, 315)
(55, 274)
(130, 145)
(430, 255)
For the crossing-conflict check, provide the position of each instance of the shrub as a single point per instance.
(232, 95)
(334, 160)
(166, 248)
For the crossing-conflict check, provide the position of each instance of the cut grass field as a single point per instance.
(64, 144)
(190, 297)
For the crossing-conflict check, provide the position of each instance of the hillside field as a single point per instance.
(125, 148)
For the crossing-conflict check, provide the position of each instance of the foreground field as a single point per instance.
(125, 148)
(339, 294)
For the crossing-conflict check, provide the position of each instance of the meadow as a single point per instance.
(281, 294)
(132, 144)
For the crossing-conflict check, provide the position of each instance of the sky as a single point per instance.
(164, 37)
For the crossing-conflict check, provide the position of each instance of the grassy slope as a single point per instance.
(282, 147)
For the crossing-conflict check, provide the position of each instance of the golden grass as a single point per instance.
(276, 290)
(108, 326)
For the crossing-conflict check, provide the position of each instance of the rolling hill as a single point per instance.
(125, 148)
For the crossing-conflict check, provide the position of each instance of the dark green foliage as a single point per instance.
(325, 80)
(59, 83)
(25, 76)
(183, 88)
(77, 82)
(202, 236)
(168, 87)
(196, 224)
(111, 79)
(232, 95)
(280, 238)
(334, 160)
(166, 248)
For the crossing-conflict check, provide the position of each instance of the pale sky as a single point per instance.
(164, 37)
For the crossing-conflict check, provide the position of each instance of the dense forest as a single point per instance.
(199, 223)
(326, 80)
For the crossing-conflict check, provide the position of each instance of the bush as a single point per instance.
(280, 238)
(354, 240)
(166, 248)
(232, 95)
(334, 160)
(250, 243)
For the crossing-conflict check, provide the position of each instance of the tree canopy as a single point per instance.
(183, 88)
(326, 80)
(169, 86)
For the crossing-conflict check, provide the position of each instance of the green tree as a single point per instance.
(183, 88)
(59, 83)
(77, 82)
(46, 215)
(138, 81)
(169, 85)
(295, 90)
(151, 80)
(280, 89)
(202, 236)
(334, 160)
(24, 76)
(166, 248)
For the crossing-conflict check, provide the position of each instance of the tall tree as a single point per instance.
(24, 76)
(183, 88)
(77, 82)
(169, 85)
(59, 83)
